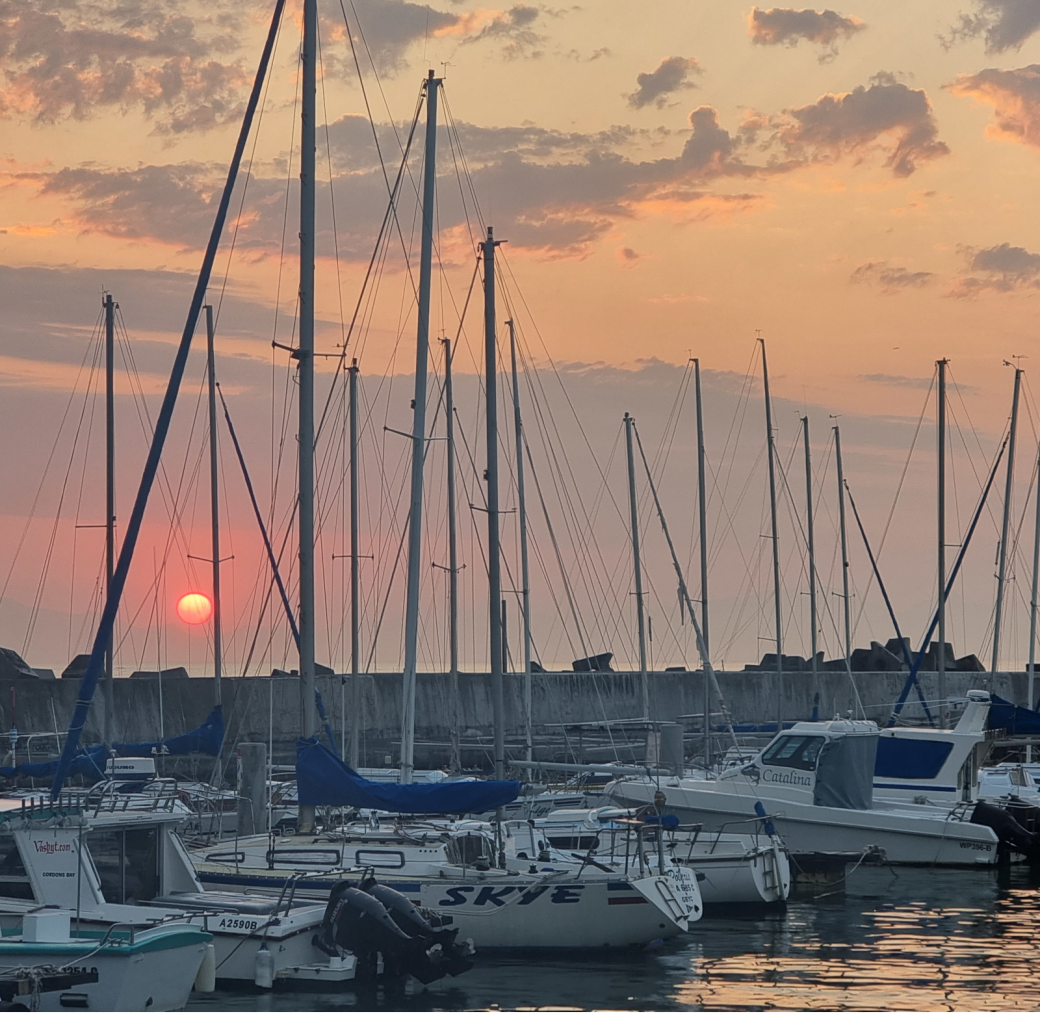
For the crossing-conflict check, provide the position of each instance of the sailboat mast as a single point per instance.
(305, 359)
(941, 533)
(453, 562)
(702, 517)
(422, 352)
(525, 578)
(1008, 486)
(812, 548)
(355, 579)
(110, 500)
(637, 568)
(844, 547)
(1031, 669)
(214, 502)
(494, 550)
(771, 452)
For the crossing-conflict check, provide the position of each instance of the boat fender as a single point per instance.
(760, 811)
(263, 968)
(206, 979)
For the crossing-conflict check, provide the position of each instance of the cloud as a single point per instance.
(383, 31)
(787, 27)
(553, 191)
(515, 28)
(890, 279)
(1004, 24)
(1001, 268)
(672, 75)
(850, 124)
(913, 383)
(1014, 96)
(895, 380)
(70, 60)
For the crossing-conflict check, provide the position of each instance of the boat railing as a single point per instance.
(107, 798)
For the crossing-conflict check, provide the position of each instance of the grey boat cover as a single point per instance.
(845, 773)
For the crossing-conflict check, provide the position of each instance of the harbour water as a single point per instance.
(912, 939)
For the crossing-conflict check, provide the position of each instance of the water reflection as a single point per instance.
(922, 939)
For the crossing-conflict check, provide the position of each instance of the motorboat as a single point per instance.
(115, 857)
(815, 784)
(126, 967)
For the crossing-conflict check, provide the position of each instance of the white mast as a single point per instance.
(494, 545)
(422, 347)
(110, 504)
(305, 358)
(637, 568)
(214, 501)
(1031, 670)
(453, 562)
(941, 534)
(771, 451)
(812, 550)
(355, 580)
(1008, 486)
(702, 515)
(525, 580)
(844, 547)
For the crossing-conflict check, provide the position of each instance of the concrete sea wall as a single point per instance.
(566, 707)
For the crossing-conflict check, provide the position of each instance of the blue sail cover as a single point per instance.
(89, 763)
(1018, 721)
(322, 779)
(207, 738)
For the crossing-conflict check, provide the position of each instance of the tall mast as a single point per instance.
(305, 359)
(776, 543)
(844, 547)
(110, 499)
(214, 502)
(941, 533)
(1009, 482)
(637, 568)
(355, 581)
(525, 581)
(453, 563)
(702, 513)
(422, 353)
(812, 548)
(494, 550)
(1031, 669)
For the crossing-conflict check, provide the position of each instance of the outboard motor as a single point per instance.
(369, 926)
(1013, 836)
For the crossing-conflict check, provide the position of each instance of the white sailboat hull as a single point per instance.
(498, 910)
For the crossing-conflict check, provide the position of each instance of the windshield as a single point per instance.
(794, 752)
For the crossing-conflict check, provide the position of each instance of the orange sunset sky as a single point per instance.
(672, 176)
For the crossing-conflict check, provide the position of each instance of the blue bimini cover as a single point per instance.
(1018, 721)
(322, 779)
(207, 738)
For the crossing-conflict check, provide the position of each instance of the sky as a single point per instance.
(673, 179)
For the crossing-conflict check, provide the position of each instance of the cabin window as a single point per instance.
(127, 862)
(580, 842)
(794, 752)
(14, 881)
